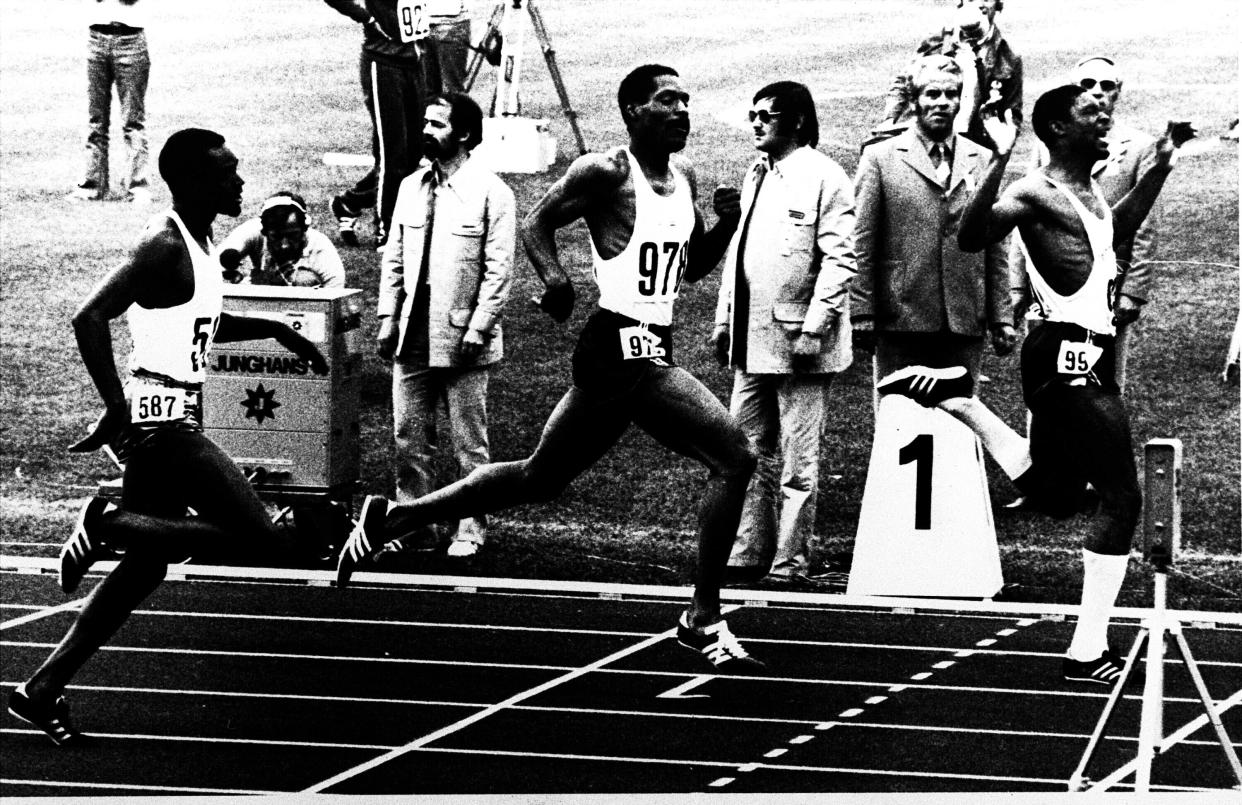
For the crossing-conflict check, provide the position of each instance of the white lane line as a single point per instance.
(775, 753)
(733, 765)
(42, 613)
(680, 691)
(952, 689)
(131, 787)
(801, 739)
(492, 710)
(720, 782)
(201, 739)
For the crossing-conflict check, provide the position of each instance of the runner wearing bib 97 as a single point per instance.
(170, 287)
(646, 238)
(1080, 431)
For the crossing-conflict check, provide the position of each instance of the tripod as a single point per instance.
(501, 45)
(1162, 530)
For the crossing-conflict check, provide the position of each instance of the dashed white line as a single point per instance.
(850, 713)
(877, 699)
(775, 752)
(801, 739)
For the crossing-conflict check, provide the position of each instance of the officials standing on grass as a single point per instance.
(170, 289)
(444, 282)
(783, 325)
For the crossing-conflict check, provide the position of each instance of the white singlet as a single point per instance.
(642, 281)
(1091, 306)
(173, 341)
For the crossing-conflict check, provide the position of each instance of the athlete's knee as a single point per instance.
(741, 462)
(539, 484)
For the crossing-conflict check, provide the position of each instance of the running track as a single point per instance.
(418, 685)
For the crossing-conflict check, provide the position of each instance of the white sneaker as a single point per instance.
(462, 549)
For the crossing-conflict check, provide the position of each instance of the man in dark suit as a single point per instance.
(918, 299)
(991, 72)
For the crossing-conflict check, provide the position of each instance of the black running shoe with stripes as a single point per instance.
(366, 539)
(1104, 671)
(718, 645)
(83, 548)
(53, 720)
(927, 386)
(346, 221)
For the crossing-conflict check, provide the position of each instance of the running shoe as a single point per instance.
(53, 721)
(1104, 671)
(719, 646)
(927, 386)
(82, 548)
(364, 539)
(462, 549)
(346, 221)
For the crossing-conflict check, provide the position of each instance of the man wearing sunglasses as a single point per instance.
(1130, 154)
(782, 323)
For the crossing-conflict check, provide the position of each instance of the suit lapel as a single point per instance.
(914, 155)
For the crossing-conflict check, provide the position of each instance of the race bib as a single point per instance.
(412, 22)
(152, 402)
(1077, 358)
(639, 342)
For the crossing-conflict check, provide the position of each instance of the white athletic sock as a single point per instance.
(1102, 575)
(1011, 451)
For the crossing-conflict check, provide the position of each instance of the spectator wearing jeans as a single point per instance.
(444, 282)
(782, 323)
(117, 57)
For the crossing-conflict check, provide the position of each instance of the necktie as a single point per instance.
(741, 290)
(940, 162)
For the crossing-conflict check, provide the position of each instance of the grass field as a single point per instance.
(279, 79)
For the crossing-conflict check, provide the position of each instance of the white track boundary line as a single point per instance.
(1168, 743)
(610, 589)
(533, 708)
(482, 714)
(205, 739)
(1081, 694)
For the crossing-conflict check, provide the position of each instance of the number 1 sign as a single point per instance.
(926, 526)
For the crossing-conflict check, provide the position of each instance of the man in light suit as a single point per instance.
(1130, 154)
(445, 278)
(919, 299)
(782, 323)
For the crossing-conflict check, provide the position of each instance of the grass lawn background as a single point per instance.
(279, 79)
